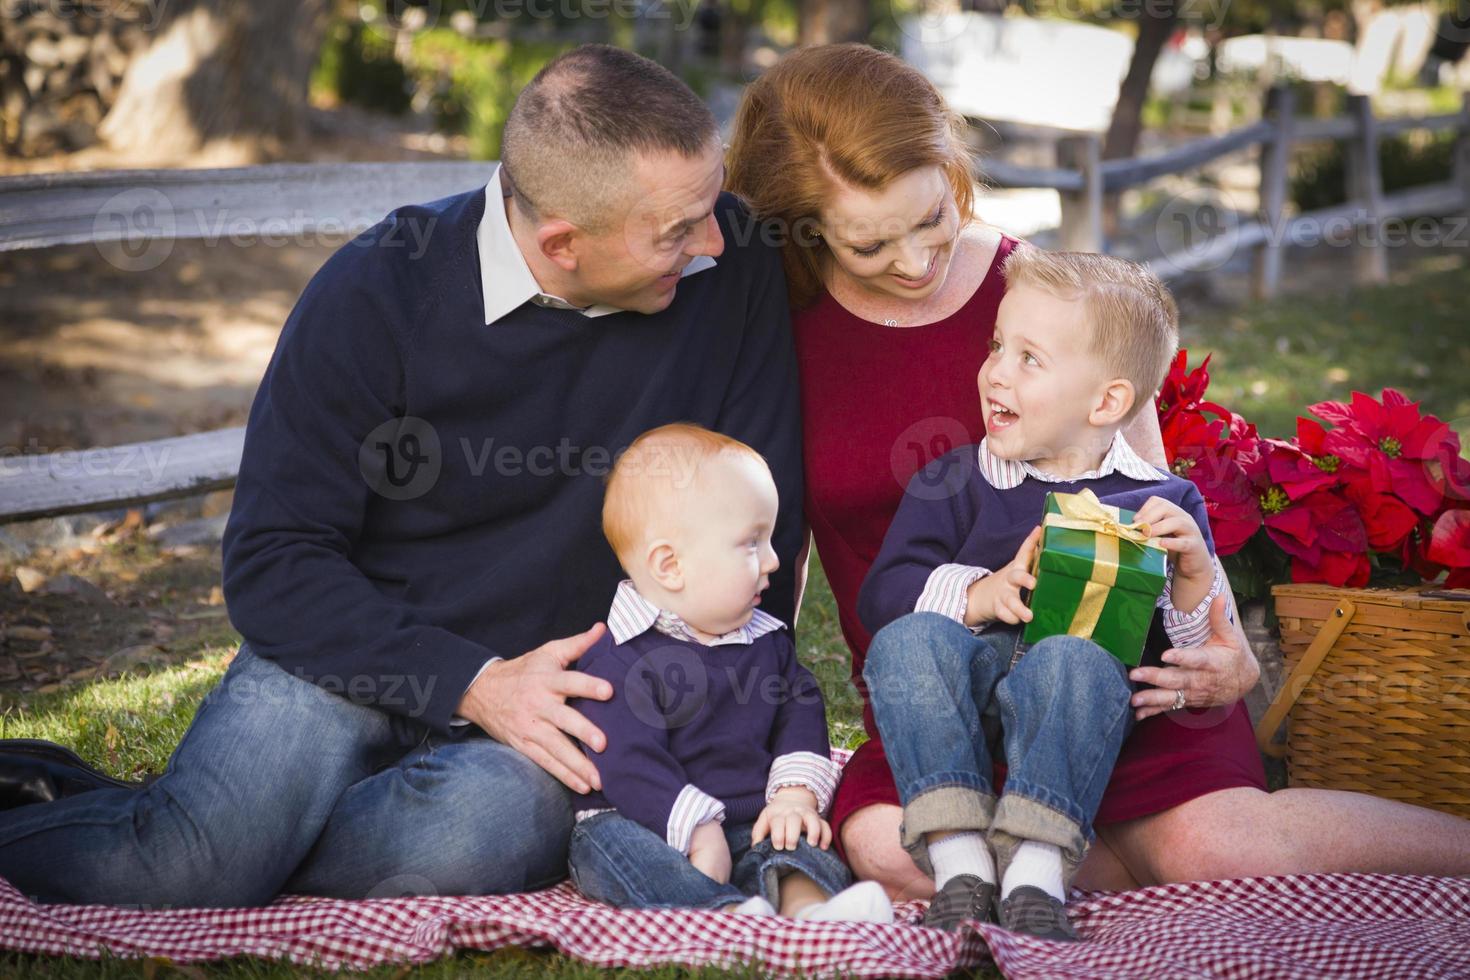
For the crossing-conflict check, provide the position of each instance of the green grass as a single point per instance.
(1273, 360)
(127, 725)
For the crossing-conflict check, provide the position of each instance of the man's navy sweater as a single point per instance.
(951, 514)
(488, 445)
(683, 713)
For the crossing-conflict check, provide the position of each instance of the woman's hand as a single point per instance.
(1218, 673)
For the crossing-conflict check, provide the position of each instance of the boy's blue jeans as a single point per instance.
(623, 863)
(939, 693)
(280, 785)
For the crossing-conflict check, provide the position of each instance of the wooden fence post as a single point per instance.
(1082, 210)
(1461, 174)
(1275, 162)
(1365, 190)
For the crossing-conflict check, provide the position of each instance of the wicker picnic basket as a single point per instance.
(1377, 692)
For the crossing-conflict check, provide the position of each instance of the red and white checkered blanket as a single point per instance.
(1300, 926)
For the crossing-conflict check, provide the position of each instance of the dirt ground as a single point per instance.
(91, 355)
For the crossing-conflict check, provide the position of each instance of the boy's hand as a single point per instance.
(709, 852)
(1194, 569)
(792, 809)
(1181, 537)
(998, 595)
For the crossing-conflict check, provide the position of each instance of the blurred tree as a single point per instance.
(832, 21)
(218, 70)
(1154, 28)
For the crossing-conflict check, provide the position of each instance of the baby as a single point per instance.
(1081, 344)
(717, 760)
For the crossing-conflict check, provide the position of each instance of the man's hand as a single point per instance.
(998, 595)
(1216, 674)
(522, 703)
(709, 852)
(792, 809)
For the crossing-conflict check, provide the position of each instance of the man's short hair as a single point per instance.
(1134, 320)
(572, 131)
(651, 474)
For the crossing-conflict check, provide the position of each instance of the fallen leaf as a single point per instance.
(30, 579)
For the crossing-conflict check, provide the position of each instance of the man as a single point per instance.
(414, 555)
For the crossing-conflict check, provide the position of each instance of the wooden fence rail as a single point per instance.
(1083, 179)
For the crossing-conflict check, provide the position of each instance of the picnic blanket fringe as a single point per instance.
(1345, 925)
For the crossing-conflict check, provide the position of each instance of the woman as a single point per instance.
(894, 287)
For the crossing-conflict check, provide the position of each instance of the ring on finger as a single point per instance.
(1179, 700)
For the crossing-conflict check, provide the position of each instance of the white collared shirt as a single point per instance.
(632, 615)
(1007, 474)
(506, 281)
(946, 591)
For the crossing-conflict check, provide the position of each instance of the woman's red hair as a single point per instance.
(837, 113)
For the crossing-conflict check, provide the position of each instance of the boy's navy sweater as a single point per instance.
(684, 713)
(493, 545)
(951, 514)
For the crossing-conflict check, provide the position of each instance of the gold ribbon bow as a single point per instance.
(1082, 511)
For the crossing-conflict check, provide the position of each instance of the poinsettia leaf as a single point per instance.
(1334, 413)
(1449, 543)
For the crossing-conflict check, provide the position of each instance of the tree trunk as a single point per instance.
(1155, 28)
(219, 72)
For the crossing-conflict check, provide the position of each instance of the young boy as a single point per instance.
(1081, 344)
(717, 758)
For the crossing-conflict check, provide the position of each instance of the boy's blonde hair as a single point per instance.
(1135, 323)
(649, 474)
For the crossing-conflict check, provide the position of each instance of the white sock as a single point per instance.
(1035, 864)
(755, 905)
(864, 902)
(965, 853)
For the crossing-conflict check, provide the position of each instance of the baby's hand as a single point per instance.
(1181, 538)
(792, 809)
(998, 595)
(709, 852)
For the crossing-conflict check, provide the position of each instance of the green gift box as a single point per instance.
(1098, 575)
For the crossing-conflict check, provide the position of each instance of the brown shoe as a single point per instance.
(1032, 911)
(962, 898)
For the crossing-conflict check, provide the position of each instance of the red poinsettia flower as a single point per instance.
(1307, 464)
(1311, 526)
(1198, 450)
(1182, 388)
(1387, 519)
(1392, 441)
(1449, 545)
(1450, 472)
(1336, 568)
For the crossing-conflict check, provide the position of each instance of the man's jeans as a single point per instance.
(1063, 711)
(279, 785)
(623, 863)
